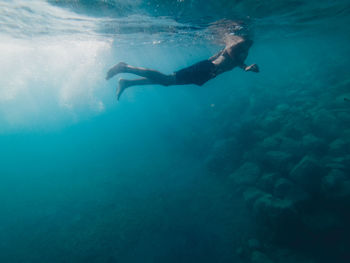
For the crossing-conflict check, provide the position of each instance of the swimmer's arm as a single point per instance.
(252, 67)
(216, 55)
(243, 66)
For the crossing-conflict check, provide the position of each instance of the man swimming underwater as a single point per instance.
(233, 55)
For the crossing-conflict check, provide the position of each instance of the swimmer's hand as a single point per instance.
(253, 67)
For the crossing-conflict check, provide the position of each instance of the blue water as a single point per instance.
(84, 178)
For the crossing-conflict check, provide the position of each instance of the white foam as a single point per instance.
(47, 76)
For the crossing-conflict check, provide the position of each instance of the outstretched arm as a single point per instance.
(243, 66)
(253, 67)
(217, 55)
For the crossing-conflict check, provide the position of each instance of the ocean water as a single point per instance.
(247, 168)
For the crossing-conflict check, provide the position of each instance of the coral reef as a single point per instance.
(291, 163)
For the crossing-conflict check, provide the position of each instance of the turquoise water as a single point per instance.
(247, 168)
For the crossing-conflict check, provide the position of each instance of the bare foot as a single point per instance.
(119, 68)
(121, 87)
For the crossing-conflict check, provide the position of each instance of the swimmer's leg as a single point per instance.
(153, 75)
(126, 83)
(116, 69)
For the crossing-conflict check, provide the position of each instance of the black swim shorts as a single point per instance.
(198, 73)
